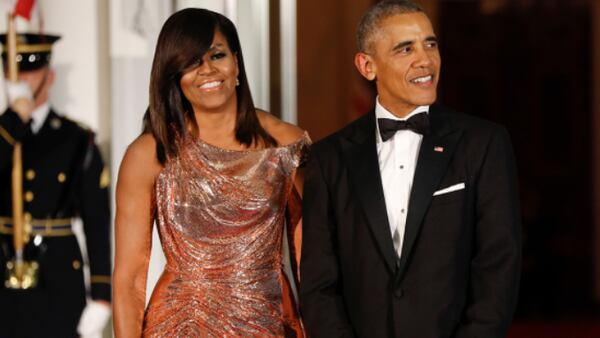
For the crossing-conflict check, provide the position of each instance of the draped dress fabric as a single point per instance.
(220, 215)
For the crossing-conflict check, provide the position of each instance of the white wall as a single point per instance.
(76, 56)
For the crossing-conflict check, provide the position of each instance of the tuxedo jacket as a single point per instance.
(458, 273)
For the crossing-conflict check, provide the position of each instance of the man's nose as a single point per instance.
(423, 58)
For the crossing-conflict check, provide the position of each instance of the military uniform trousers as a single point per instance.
(54, 307)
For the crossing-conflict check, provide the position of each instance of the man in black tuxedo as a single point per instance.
(410, 213)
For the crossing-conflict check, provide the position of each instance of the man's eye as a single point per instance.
(432, 45)
(406, 50)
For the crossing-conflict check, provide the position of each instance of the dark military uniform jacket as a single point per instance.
(63, 177)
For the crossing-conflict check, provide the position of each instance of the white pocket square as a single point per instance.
(451, 188)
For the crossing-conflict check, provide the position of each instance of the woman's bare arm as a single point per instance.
(133, 235)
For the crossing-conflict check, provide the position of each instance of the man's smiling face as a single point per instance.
(405, 62)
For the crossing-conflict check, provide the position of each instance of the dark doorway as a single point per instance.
(526, 65)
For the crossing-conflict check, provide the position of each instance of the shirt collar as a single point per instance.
(38, 117)
(381, 112)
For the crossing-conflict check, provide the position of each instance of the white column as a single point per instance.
(134, 28)
(218, 6)
(289, 91)
(253, 29)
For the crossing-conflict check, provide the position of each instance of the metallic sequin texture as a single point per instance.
(220, 215)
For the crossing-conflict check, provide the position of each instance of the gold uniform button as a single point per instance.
(62, 177)
(76, 264)
(55, 123)
(29, 196)
(30, 175)
(27, 216)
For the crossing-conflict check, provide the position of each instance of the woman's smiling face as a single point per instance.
(210, 85)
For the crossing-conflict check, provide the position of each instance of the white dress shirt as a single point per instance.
(38, 117)
(397, 164)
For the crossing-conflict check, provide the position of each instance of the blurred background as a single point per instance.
(531, 65)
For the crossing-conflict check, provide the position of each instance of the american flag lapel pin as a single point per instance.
(438, 149)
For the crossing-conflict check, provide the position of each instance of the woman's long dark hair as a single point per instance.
(183, 40)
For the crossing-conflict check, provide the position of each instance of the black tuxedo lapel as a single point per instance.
(363, 165)
(434, 155)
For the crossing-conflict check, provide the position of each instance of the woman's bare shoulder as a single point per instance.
(140, 161)
(143, 147)
(285, 133)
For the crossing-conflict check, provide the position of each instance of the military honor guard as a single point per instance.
(51, 171)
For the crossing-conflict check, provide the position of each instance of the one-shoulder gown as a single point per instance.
(220, 215)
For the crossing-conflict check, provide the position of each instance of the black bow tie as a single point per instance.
(418, 123)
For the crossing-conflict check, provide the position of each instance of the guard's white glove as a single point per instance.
(93, 319)
(20, 99)
(18, 90)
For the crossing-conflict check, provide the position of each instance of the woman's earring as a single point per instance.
(237, 82)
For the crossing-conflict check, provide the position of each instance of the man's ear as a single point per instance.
(365, 65)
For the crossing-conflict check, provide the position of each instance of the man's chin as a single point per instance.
(425, 100)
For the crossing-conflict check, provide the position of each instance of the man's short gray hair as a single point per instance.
(370, 21)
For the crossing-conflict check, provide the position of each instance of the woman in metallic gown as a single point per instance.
(219, 178)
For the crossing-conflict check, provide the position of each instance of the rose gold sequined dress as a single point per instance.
(220, 215)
